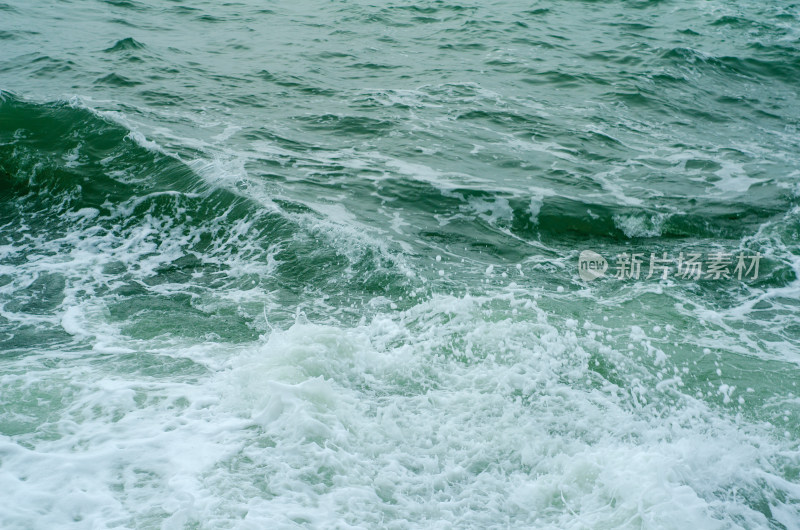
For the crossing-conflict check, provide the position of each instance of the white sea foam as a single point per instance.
(439, 415)
(641, 225)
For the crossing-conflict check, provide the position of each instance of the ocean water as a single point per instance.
(271, 265)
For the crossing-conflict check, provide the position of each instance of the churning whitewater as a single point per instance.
(318, 265)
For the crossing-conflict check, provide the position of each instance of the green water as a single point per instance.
(316, 265)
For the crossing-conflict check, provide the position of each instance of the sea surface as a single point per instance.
(315, 264)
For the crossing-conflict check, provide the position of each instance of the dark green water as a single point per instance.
(315, 265)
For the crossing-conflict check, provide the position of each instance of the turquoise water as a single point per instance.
(315, 265)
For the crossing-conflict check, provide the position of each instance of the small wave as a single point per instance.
(126, 44)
